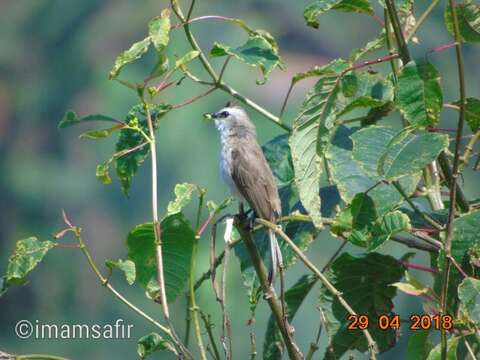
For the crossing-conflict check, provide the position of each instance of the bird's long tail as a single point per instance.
(276, 259)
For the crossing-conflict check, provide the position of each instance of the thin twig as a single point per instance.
(269, 293)
(424, 216)
(455, 173)
(372, 347)
(208, 326)
(194, 98)
(421, 19)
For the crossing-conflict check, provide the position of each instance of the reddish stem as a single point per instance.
(417, 267)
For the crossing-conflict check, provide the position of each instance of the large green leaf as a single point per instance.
(314, 10)
(472, 112)
(273, 347)
(452, 344)
(351, 178)
(365, 90)
(312, 127)
(277, 153)
(177, 247)
(135, 52)
(28, 254)
(469, 296)
(257, 51)
(159, 28)
(365, 284)
(128, 164)
(408, 154)
(419, 95)
(468, 15)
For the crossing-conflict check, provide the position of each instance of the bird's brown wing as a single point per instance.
(254, 180)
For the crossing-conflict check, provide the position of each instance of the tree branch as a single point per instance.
(372, 347)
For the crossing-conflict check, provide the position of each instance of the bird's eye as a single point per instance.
(224, 114)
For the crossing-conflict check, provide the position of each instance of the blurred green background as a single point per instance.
(55, 55)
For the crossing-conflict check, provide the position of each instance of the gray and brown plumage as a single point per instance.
(246, 172)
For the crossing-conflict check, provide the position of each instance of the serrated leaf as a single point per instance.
(28, 254)
(334, 67)
(177, 246)
(127, 266)
(452, 344)
(183, 195)
(368, 143)
(135, 52)
(128, 164)
(159, 28)
(472, 112)
(257, 51)
(351, 179)
(364, 90)
(419, 345)
(419, 94)
(151, 343)
(469, 296)
(277, 153)
(273, 347)
(407, 154)
(364, 282)
(468, 15)
(311, 130)
(70, 118)
(314, 10)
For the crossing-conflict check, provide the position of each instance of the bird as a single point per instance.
(246, 172)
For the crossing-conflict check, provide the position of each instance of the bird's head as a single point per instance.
(231, 118)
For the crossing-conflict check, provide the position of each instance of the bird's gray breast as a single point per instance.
(226, 164)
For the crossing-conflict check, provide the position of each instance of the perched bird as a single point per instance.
(246, 172)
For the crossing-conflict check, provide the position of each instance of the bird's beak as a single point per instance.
(210, 116)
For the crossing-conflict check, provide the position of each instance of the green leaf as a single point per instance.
(161, 67)
(257, 51)
(351, 179)
(419, 345)
(468, 15)
(334, 67)
(374, 45)
(128, 163)
(273, 347)
(177, 247)
(364, 282)
(70, 118)
(412, 286)
(277, 153)
(183, 195)
(102, 172)
(452, 344)
(469, 296)
(472, 112)
(311, 131)
(127, 266)
(419, 94)
(364, 90)
(159, 28)
(407, 154)
(186, 58)
(28, 254)
(368, 143)
(151, 343)
(135, 52)
(314, 10)
(100, 134)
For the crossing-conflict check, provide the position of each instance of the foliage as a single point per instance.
(336, 167)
